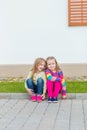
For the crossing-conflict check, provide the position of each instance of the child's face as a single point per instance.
(51, 64)
(41, 66)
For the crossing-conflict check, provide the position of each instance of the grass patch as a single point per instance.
(18, 87)
(12, 87)
(76, 86)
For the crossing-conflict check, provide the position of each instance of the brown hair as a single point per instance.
(35, 65)
(53, 58)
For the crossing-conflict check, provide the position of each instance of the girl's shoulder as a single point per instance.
(42, 72)
(60, 71)
(47, 70)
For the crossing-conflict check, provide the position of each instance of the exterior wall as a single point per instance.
(70, 70)
(39, 28)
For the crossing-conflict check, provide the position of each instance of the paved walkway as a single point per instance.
(25, 96)
(22, 114)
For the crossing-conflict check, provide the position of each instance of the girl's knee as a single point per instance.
(28, 83)
(29, 80)
(49, 83)
(40, 81)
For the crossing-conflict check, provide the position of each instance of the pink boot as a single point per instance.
(33, 98)
(39, 98)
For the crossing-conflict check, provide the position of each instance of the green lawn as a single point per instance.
(12, 87)
(72, 87)
(77, 86)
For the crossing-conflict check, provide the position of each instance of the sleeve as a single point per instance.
(29, 76)
(50, 77)
(62, 78)
(44, 78)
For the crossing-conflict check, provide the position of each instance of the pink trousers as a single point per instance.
(53, 88)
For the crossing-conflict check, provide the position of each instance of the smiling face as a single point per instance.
(41, 66)
(51, 64)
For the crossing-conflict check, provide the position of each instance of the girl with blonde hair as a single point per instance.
(35, 83)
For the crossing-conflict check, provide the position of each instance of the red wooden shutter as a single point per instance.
(77, 12)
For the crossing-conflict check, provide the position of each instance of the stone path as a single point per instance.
(25, 96)
(22, 114)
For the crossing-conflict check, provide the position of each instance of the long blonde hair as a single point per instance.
(53, 58)
(35, 65)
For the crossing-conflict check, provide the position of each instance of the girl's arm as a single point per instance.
(44, 87)
(29, 76)
(50, 77)
(60, 73)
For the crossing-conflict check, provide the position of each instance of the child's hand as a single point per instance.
(30, 92)
(54, 78)
(43, 96)
(64, 96)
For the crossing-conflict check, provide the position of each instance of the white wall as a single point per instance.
(39, 28)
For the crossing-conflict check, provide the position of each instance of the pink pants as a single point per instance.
(53, 88)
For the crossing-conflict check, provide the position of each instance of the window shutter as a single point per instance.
(77, 12)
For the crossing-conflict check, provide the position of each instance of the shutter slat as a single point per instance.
(77, 12)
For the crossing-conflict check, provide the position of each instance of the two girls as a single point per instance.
(41, 78)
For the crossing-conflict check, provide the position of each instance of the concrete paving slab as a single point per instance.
(23, 114)
(26, 96)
